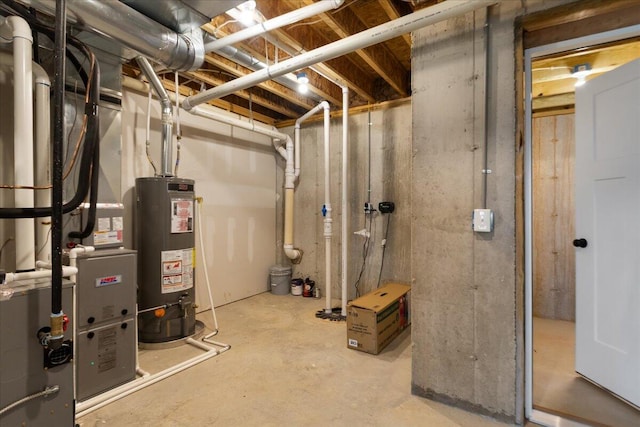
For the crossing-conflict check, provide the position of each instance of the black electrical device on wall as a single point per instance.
(386, 207)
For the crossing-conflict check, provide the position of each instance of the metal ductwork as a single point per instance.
(167, 31)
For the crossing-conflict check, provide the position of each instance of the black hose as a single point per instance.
(91, 141)
(60, 48)
(93, 198)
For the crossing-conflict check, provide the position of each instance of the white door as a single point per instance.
(608, 219)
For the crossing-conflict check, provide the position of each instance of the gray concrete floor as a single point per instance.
(559, 390)
(285, 368)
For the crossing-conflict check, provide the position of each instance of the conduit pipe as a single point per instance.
(167, 114)
(274, 23)
(42, 86)
(212, 113)
(378, 34)
(16, 30)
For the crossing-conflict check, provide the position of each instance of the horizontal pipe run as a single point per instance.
(212, 113)
(274, 23)
(38, 274)
(378, 34)
(95, 403)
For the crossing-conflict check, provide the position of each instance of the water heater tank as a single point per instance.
(165, 240)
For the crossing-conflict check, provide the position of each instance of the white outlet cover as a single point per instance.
(483, 220)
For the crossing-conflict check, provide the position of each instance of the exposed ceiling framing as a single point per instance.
(376, 74)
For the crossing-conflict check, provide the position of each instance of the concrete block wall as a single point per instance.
(389, 138)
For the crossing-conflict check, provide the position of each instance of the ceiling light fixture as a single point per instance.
(580, 72)
(247, 13)
(303, 82)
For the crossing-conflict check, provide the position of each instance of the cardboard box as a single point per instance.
(375, 319)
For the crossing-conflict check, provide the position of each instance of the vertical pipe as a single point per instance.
(328, 228)
(42, 159)
(56, 190)
(345, 198)
(23, 138)
(167, 114)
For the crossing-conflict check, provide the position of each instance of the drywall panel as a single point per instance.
(384, 136)
(554, 279)
(235, 174)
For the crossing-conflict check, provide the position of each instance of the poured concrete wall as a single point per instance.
(467, 304)
(388, 139)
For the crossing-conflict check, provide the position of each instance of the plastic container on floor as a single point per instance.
(280, 279)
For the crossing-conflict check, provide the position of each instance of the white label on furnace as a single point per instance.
(181, 215)
(116, 223)
(353, 343)
(107, 237)
(104, 224)
(177, 270)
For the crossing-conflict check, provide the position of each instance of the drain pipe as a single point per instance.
(275, 23)
(14, 29)
(167, 114)
(378, 34)
(345, 200)
(326, 209)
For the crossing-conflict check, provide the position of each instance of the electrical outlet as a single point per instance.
(368, 208)
(482, 220)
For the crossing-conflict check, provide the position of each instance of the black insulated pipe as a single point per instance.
(56, 190)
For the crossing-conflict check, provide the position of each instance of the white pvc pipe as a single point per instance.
(38, 274)
(328, 227)
(345, 199)
(73, 256)
(42, 86)
(42, 158)
(90, 405)
(16, 30)
(378, 34)
(274, 23)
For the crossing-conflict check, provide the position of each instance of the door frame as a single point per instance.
(530, 54)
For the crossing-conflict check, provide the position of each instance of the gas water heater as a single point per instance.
(165, 220)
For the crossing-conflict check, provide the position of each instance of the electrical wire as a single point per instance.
(384, 247)
(365, 253)
(46, 392)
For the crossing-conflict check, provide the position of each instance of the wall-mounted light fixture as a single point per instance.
(580, 72)
(303, 82)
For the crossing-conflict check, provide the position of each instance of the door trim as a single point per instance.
(530, 54)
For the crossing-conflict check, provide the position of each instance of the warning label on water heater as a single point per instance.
(181, 215)
(177, 270)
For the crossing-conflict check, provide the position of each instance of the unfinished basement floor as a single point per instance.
(285, 368)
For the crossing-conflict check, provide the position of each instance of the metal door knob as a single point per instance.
(580, 243)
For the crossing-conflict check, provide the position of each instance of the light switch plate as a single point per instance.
(483, 220)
